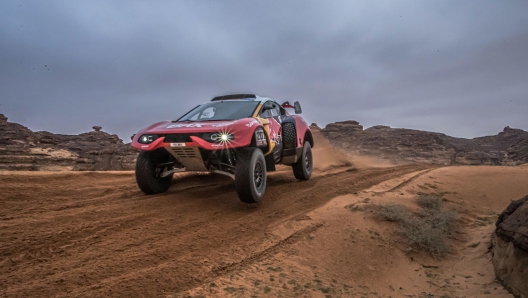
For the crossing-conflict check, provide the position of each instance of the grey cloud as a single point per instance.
(456, 67)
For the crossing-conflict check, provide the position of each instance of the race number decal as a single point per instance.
(260, 137)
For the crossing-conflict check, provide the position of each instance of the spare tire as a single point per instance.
(289, 135)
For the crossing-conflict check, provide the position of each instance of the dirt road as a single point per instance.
(95, 234)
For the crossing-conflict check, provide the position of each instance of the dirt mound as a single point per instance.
(342, 250)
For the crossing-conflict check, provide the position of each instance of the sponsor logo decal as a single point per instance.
(222, 124)
(185, 125)
(191, 125)
(251, 124)
(277, 138)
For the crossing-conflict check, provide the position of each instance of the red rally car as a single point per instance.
(242, 136)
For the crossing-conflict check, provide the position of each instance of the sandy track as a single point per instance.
(95, 234)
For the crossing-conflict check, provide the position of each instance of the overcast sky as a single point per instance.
(455, 67)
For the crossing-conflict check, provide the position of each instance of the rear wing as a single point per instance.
(296, 106)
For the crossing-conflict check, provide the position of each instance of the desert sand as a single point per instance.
(86, 234)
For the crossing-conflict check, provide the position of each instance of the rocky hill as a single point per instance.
(400, 146)
(23, 149)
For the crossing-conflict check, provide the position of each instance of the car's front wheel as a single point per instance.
(148, 171)
(250, 175)
(302, 169)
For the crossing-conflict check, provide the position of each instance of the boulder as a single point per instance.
(510, 248)
(344, 127)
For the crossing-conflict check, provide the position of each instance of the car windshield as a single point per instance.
(221, 110)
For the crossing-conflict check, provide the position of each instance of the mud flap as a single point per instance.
(270, 162)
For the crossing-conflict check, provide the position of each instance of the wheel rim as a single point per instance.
(308, 161)
(258, 175)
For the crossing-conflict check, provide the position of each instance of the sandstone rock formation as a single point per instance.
(510, 248)
(400, 146)
(23, 149)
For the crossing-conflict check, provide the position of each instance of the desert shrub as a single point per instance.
(430, 202)
(428, 228)
(393, 212)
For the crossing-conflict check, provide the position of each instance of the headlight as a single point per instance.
(147, 139)
(218, 137)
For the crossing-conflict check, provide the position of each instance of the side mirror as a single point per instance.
(267, 106)
(297, 107)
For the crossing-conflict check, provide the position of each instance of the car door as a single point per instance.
(272, 111)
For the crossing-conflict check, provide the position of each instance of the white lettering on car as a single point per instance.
(185, 125)
(222, 124)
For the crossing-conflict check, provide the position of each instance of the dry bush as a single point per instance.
(430, 202)
(428, 228)
(393, 212)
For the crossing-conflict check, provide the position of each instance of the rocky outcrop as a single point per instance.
(510, 248)
(400, 146)
(23, 149)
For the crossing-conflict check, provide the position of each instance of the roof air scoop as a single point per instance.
(234, 96)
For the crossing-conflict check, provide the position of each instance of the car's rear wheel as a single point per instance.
(303, 168)
(148, 172)
(250, 175)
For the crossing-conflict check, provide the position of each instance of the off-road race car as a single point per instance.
(242, 136)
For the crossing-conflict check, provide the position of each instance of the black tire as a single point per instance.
(147, 172)
(250, 175)
(303, 168)
(289, 135)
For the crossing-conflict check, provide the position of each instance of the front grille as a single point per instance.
(179, 138)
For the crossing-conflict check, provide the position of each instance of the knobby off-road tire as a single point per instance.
(147, 174)
(303, 168)
(289, 135)
(250, 175)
